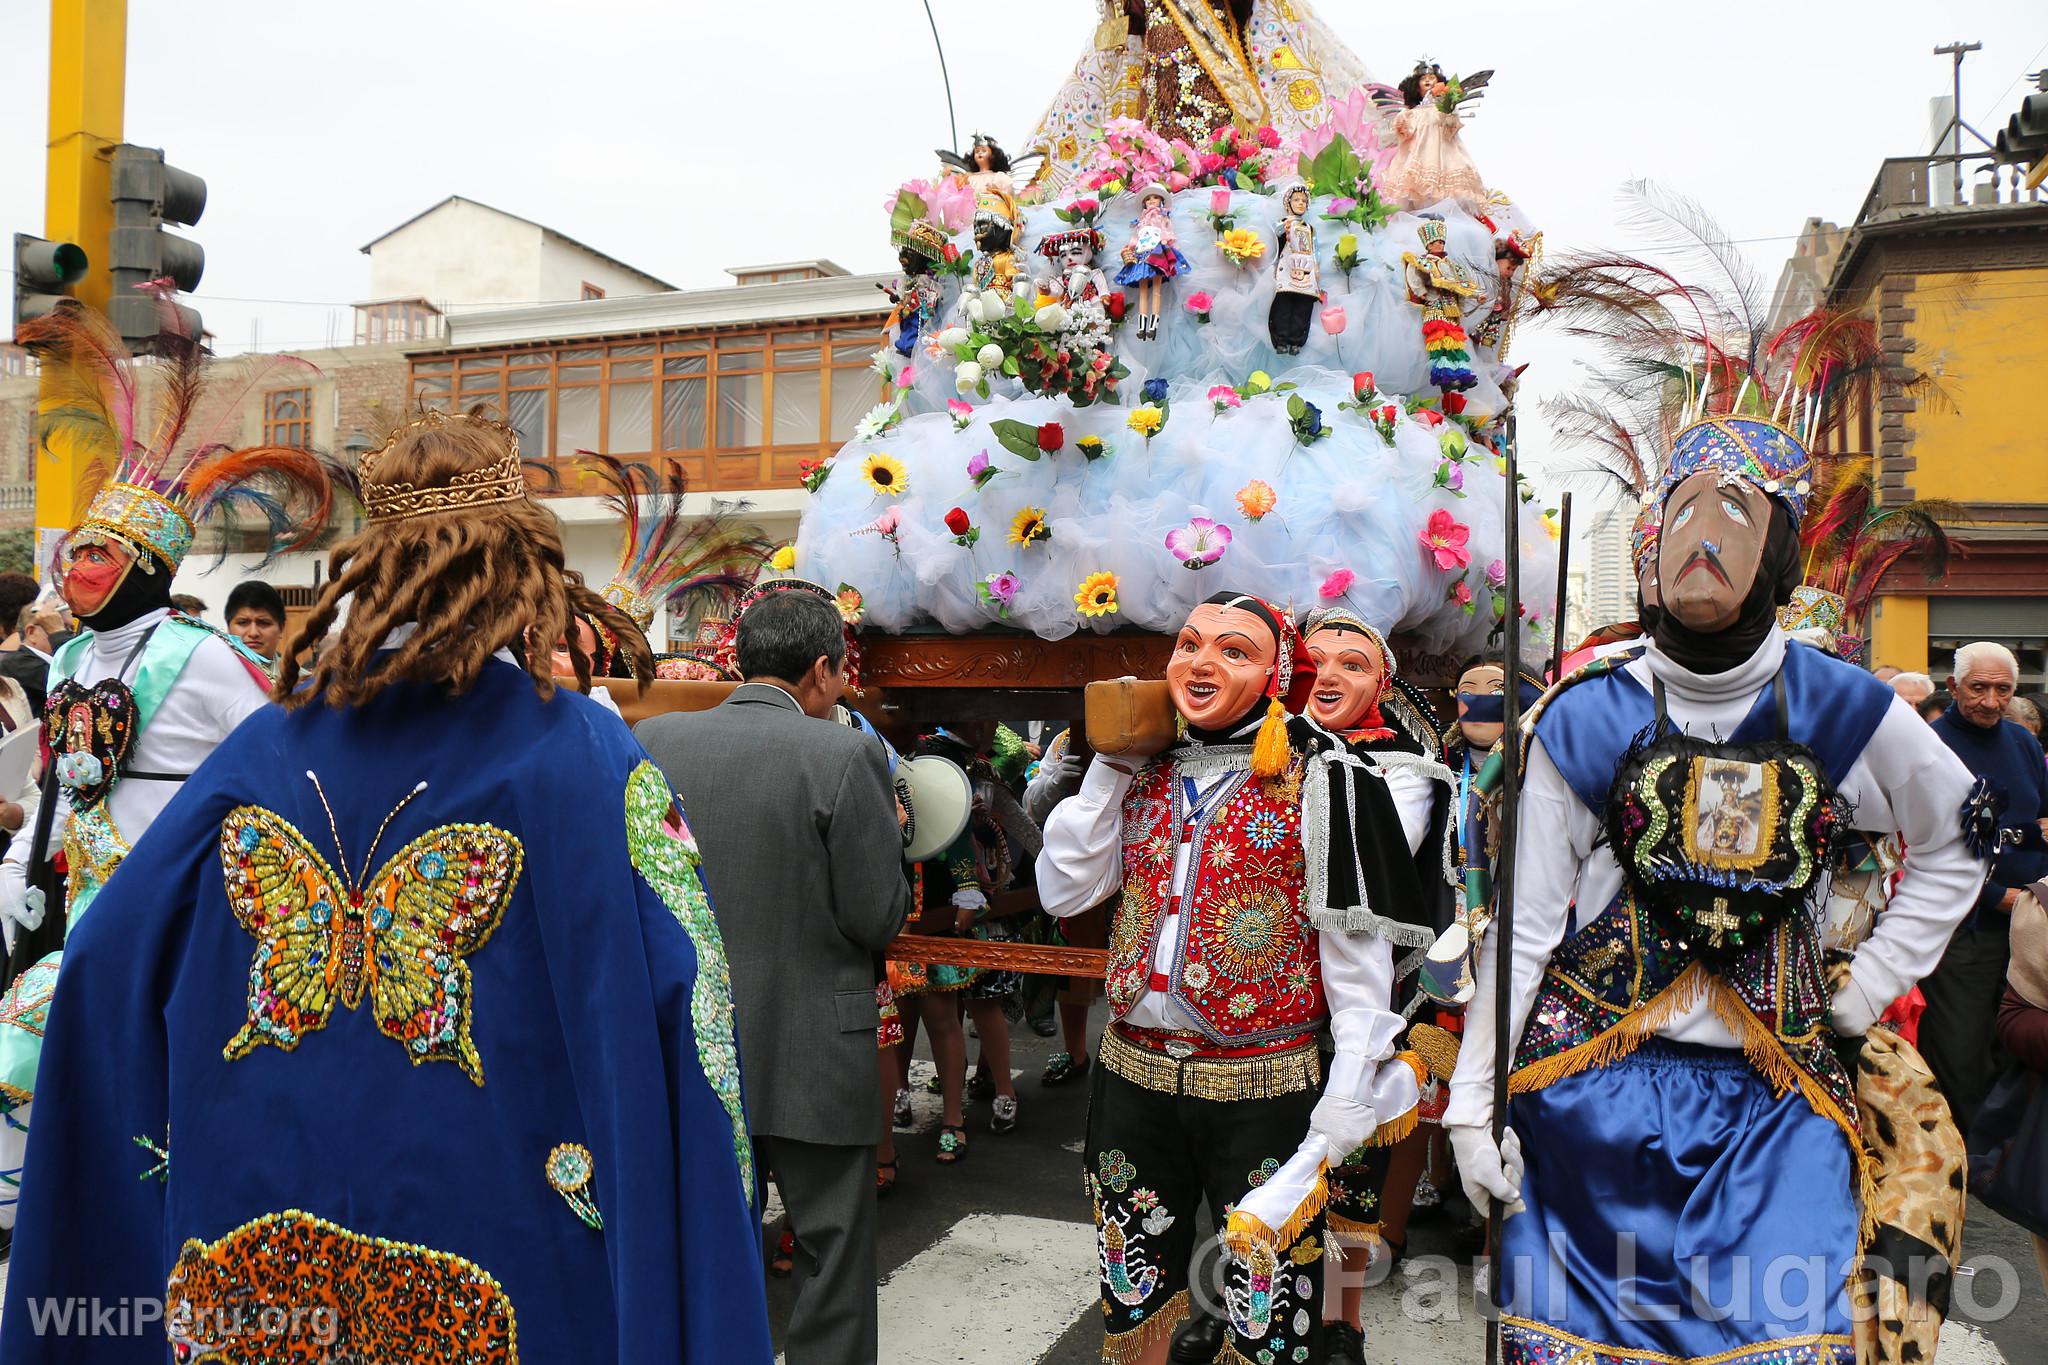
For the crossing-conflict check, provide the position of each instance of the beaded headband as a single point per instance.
(398, 499)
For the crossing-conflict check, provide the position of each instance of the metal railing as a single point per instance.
(1914, 183)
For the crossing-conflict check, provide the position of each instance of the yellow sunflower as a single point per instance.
(1097, 594)
(885, 474)
(1029, 527)
(784, 559)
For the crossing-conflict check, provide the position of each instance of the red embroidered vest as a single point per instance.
(1245, 962)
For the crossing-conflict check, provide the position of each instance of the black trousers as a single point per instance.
(1287, 321)
(1959, 1031)
(1151, 1160)
(830, 1195)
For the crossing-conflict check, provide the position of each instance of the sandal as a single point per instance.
(1061, 1068)
(885, 1177)
(1004, 1119)
(952, 1145)
(902, 1115)
(980, 1085)
(783, 1260)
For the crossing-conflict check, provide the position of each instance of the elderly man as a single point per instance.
(1958, 1033)
(1914, 687)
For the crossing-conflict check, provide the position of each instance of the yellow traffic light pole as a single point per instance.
(88, 71)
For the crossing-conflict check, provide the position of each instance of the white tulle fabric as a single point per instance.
(1348, 501)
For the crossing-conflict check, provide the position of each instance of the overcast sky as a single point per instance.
(686, 136)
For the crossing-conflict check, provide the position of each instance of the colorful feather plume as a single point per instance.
(669, 556)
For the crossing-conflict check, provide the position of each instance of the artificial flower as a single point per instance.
(1362, 386)
(1306, 420)
(1242, 245)
(965, 532)
(1429, 417)
(1097, 594)
(1084, 206)
(1347, 251)
(883, 363)
(1198, 544)
(953, 336)
(1256, 499)
(811, 474)
(980, 470)
(1462, 594)
(1154, 391)
(1219, 201)
(1114, 305)
(990, 357)
(1050, 318)
(968, 377)
(1259, 382)
(1337, 584)
(1451, 441)
(949, 253)
(1444, 540)
(1268, 136)
(1450, 475)
(1092, 447)
(885, 474)
(852, 606)
(1030, 527)
(998, 590)
(1454, 403)
(1551, 527)
(1146, 421)
(1497, 574)
(1223, 398)
(961, 412)
(1199, 303)
(1333, 318)
(877, 420)
(906, 376)
(783, 560)
(1052, 437)
(1384, 420)
(1340, 206)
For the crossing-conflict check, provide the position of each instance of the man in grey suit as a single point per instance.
(796, 820)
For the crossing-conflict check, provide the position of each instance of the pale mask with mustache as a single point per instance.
(1709, 550)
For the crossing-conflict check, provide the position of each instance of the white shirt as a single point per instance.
(1906, 781)
(213, 694)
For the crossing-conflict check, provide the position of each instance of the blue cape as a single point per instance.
(581, 1025)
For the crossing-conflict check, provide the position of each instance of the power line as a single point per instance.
(1992, 107)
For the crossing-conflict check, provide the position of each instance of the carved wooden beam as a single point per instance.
(1037, 959)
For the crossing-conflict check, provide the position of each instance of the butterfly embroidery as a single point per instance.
(399, 936)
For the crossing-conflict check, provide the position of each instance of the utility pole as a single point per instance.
(88, 72)
(1956, 126)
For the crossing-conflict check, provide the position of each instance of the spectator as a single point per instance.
(255, 615)
(194, 607)
(1958, 1033)
(803, 860)
(1934, 706)
(1884, 673)
(2024, 714)
(2023, 1028)
(17, 660)
(1914, 687)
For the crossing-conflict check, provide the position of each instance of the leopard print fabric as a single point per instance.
(292, 1289)
(1919, 1165)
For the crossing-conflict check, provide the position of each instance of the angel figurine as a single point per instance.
(1297, 281)
(986, 168)
(1430, 163)
(1440, 285)
(1150, 258)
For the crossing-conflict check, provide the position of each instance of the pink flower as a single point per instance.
(1269, 136)
(1211, 163)
(1219, 200)
(1084, 206)
(1444, 540)
(1198, 544)
(1429, 417)
(959, 409)
(1176, 181)
(1002, 586)
(1337, 584)
(1341, 206)
(1223, 396)
(886, 523)
(1462, 594)
(1333, 318)
(1200, 302)
(1497, 574)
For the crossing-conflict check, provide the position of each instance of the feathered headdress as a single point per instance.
(668, 557)
(150, 488)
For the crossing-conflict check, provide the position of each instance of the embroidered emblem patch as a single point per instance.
(339, 1294)
(659, 843)
(398, 937)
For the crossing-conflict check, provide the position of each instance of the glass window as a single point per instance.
(637, 348)
(686, 364)
(584, 353)
(432, 367)
(631, 369)
(797, 396)
(575, 421)
(853, 393)
(682, 414)
(854, 353)
(579, 374)
(631, 414)
(527, 411)
(739, 411)
(288, 418)
(800, 357)
(489, 382)
(729, 361)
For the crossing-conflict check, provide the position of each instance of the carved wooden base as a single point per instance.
(1008, 659)
(1037, 959)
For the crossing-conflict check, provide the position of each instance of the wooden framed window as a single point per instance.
(288, 418)
(591, 291)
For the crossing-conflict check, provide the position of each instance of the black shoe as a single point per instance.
(1045, 1027)
(981, 1086)
(1199, 1341)
(1343, 1344)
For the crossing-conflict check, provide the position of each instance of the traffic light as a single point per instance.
(43, 274)
(148, 194)
(2025, 139)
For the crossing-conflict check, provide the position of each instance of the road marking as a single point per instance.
(997, 1289)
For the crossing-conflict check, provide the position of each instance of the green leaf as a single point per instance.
(1296, 407)
(1010, 366)
(1019, 438)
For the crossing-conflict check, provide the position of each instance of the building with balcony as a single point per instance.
(1957, 286)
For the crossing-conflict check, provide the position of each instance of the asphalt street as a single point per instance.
(992, 1261)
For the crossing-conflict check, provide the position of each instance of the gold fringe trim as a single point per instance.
(16, 1096)
(1230, 1355)
(1437, 1047)
(1395, 1129)
(1625, 1036)
(1222, 1079)
(1350, 1232)
(1767, 1054)
(1246, 1232)
(1124, 1348)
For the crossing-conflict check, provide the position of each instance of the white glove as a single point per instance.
(1345, 1124)
(1488, 1172)
(21, 904)
(1852, 1011)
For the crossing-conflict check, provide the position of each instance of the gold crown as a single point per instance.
(396, 499)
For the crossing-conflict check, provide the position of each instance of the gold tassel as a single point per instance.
(1124, 1348)
(1395, 1129)
(1350, 1232)
(1269, 751)
(1626, 1035)
(1246, 1232)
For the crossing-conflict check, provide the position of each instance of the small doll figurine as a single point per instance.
(1438, 284)
(996, 264)
(1297, 281)
(1151, 257)
(916, 296)
(1511, 251)
(1076, 278)
(1430, 163)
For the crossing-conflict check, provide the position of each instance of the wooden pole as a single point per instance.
(1564, 560)
(1503, 929)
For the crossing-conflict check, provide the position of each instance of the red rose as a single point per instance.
(1454, 403)
(957, 522)
(1362, 385)
(949, 253)
(1051, 437)
(1115, 304)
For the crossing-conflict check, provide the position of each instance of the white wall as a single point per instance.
(461, 255)
(565, 267)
